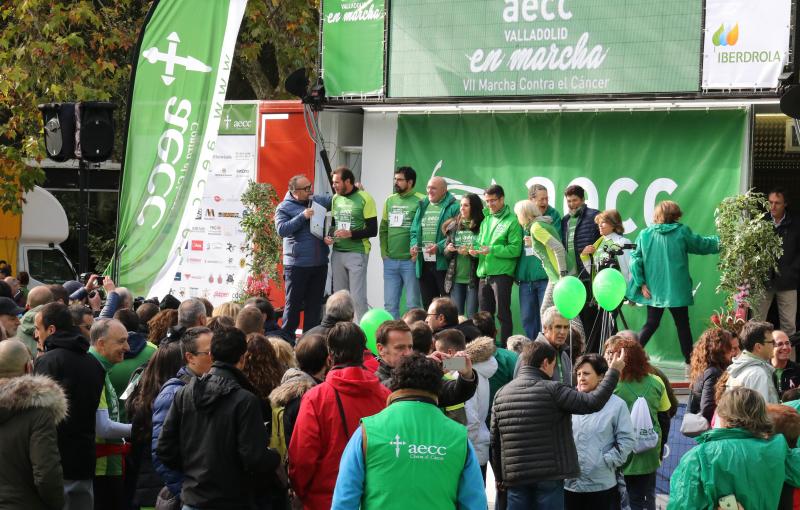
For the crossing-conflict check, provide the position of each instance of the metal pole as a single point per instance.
(83, 217)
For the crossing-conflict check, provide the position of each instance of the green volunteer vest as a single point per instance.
(109, 465)
(352, 210)
(408, 445)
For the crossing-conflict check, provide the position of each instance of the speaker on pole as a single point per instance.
(59, 130)
(95, 131)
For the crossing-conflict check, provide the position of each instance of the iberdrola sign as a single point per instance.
(178, 89)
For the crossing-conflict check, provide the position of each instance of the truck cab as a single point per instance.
(31, 242)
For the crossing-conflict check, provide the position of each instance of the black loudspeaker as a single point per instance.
(94, 131)
(790, 101)
(297, 83)
(59, 130)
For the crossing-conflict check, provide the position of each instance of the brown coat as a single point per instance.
(30, 470)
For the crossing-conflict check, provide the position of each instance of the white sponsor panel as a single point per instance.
(212, 262)
(746, 44)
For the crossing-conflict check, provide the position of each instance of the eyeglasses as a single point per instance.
(307, 188)
(198, 353)
(782, 344)
(769, 342)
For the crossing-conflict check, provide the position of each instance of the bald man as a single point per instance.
(428, 240)
(30, 409)
(38, 296)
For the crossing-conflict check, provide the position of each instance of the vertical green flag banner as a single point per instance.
(353, 47)
(457, 48)
(179, 84)
(624, 161)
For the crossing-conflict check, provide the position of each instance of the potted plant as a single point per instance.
(263, 244)
(749, 252)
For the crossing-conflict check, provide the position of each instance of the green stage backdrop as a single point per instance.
(547, 47)
(627, 161)
(352, 47)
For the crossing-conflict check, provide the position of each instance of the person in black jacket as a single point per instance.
(532, 447)
(66, 360)
(578, 234)
(395, 342)
(783, 283)
(215, 434)
(443, 314)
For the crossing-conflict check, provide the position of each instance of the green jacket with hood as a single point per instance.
(450, 207)
(734, 461)
(661, 260)
(502, 234)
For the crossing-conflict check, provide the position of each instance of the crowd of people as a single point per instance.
(113, 402)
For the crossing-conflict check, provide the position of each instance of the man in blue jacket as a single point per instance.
(578, 233)
(196, 350)
(305, 257)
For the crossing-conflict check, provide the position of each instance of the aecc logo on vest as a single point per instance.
(419, 451)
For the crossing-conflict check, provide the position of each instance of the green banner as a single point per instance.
(624, 161)
(455, 48)
(238, 119)
(179, 84)
(352, 47)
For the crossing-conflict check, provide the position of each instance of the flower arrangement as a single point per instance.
(749, 252)
(263, 244)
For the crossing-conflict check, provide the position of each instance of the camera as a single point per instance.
(608, 257)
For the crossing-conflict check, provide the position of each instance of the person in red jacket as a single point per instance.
(329, 413)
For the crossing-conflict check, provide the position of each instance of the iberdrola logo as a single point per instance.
(724, 37)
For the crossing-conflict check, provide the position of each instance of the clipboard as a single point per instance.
(317, 221)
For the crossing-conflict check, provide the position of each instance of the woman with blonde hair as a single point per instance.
(284, 352)
(543, 256)
(227, 309)
(660, 272)
(741, 462)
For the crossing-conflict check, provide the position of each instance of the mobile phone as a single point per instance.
(728, 502)
(455, 363)
(99, 281)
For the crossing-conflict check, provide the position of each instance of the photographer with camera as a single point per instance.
(610, 249)
(89, 295)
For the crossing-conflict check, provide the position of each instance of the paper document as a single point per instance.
(318, 220)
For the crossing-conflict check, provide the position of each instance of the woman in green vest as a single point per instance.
(410, 455)
(637, 380)
(741, 462)
(461, 280)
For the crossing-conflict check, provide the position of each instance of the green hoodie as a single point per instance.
(734, 461)
(661, 260)
(502, 234)
(449, 208)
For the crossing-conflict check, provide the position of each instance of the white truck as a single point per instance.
(31, 242)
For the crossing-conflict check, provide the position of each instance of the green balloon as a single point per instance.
(369, 324)
(569, 296)
(609, 288)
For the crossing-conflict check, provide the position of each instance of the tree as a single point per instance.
(61, 51)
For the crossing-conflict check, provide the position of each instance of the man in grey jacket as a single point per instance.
(555, 331)
(531, 429)
(752, 369)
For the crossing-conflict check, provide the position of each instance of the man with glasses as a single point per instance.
(305, 256)
(752, 368)
(395, 239)
(498, 247)
(196, 350)
(555, 331)
(786, 372)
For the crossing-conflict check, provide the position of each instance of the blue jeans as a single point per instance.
(531, 297)
(466, 299)
(545, 495)
(396, 275)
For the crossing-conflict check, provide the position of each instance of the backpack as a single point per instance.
(277, 439)
(646, 435)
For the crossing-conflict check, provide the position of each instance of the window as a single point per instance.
(49, 266)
